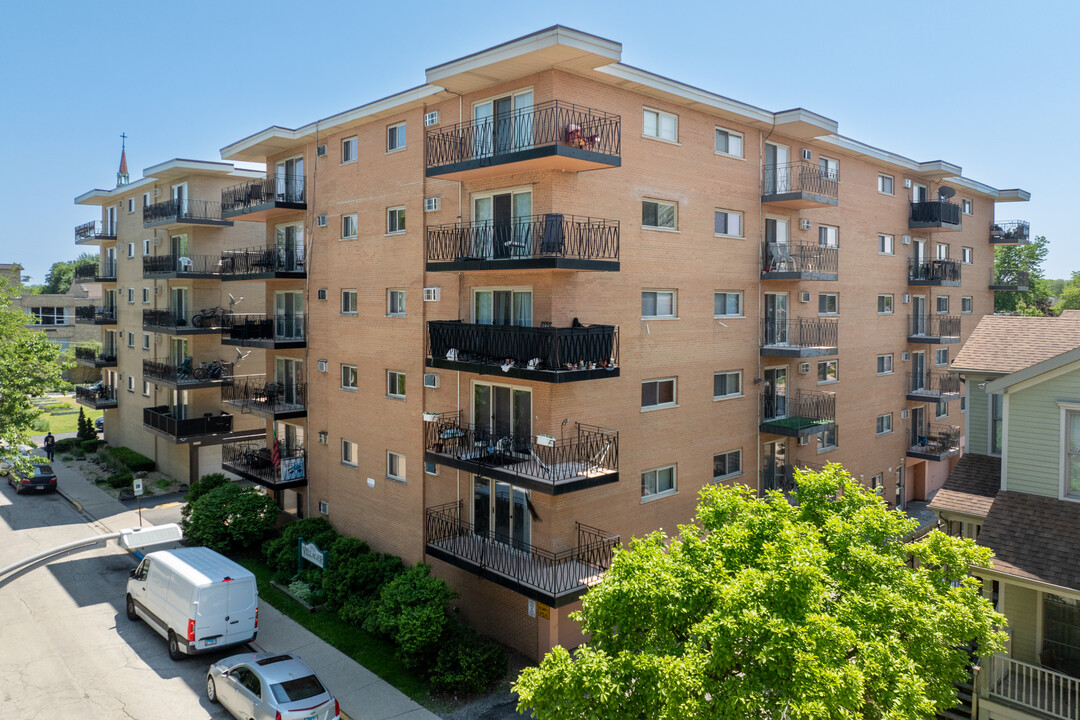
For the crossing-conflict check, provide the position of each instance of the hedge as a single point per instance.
(122, 458)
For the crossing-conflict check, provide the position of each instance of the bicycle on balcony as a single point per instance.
(209, 317)
(215, 370)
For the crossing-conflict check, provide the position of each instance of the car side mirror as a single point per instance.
(133, 571)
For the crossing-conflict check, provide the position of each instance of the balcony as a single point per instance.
(934, 329)
(799, 261)
(799, 184)
(270, 399)
(801, 415)
(799, 338)
(945, 273)
(171, 322)
(547, 354)
(934, 215)
(255, 461)
(265, 331)
(552, 241)
(93, 233)
(549, 136)
(91, 315)
(183, 376)
(589, 457)
(782, 477)
(92, 357)
(166, 423)
(1011, 280)
(263, 263)
(184, 212)
(158, 267)
(260, 200)
(934, 442)
(1039, 691)
(96, 396)
(553, 578)
(102, 272)
(1012, 232)
(933, 387)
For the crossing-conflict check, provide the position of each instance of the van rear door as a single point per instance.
(213, 608)
(243, 600)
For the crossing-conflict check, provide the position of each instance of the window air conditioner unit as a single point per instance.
(806, 154)
(904, 414)
(321, 221)
(804, 368)
(804, 441)
(323, 365)
(431, 204)
(804, 296)
(907, 183)
(321, 294)
(905, 298)
(905, 356)
(432, 294)
(906, 239)
(156, 241)
(804, 224)
(323, 437)
(431, 380)
(320, 150)
(431, 118)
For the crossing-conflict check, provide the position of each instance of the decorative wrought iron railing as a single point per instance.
(276, 188)
(186, 210)
(591, 451)
(933, 383)
(163, 418)
(105, 269)
(935, 211)
(933, 270)
(938, 326)
(782, 477)
(94, 230)
(554, 573)
(566, 348)
(935, 438)
(800, 176)
(807, 407)
(1010, 231)
(256, 392)
(553, 235)
(95, 393)
(256, 459)
(800, 333)
(281, 327)
(799, 258)
(257, 260)
(169, 370)
(98, 314)
(191, 264)
(1012, 277)
(1046, 691)
(93, 355)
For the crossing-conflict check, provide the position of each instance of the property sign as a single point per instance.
(311, 553)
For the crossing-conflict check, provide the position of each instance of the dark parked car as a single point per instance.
(99, 424)
(40, 477)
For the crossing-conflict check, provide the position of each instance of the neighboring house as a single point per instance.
(1017, 491)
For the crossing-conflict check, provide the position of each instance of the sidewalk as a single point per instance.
(361, 694)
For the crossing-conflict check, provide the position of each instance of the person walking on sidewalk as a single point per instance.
(50, 446)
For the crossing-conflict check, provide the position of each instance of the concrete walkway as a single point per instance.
(361, 694)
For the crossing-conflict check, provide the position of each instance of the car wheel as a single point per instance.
(174, 647)
(131, 609)
(211, 690)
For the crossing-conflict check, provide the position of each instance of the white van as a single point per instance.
(195, 598)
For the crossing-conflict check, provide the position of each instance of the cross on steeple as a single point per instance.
(122, 174)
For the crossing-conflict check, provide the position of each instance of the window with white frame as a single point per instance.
(829, 168)
(828, 236)
(727, 465)
(51, 315)
(660, 125)
(146, 200)
(885, 364)
(885, 304)
(942, 304)
(1072, 461)
(966, 305)
(131, 204)
(966, 206)
(348, 302)
(942, 251)
(395, 384)
(348, 453)
(827, 371)
(657, 303)
(146, 247)
(658, 393)
(967, 255)
(131, 296)
(131, 249)
(348, 150)
(828, 304)
(728, 222)
(658, 481)
(885, 244)
(826, 440)
(885, 184)
(395, 137)
(430, 468)
(659, 215)
(131, 340)
(884, 424)
(348, 377)
(348, 226)
(942, 410)
(727, 384)
(146, 296)
(727, 304)
(941, 356)
(131, 383)
(996, 424)
(395, 303)
(146, 341)
(876, 481)
(146, 388)
(395, 220)
(729, 142)
(395, 466)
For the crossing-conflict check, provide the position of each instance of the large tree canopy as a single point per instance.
(762, 609)
(1030, 257)
(60, 276)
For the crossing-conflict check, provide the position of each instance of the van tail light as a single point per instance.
(277, 715)
(191, 630)
(256, 618)
(337, 708)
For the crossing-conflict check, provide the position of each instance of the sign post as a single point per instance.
(137, 488)
(311, 553)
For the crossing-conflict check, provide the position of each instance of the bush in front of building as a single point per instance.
(86, 429)
(281, 551)
(354, 578)
(412, 612)
(120, 480)
(468, 662)
(122, 458)
(204, 485)
(89, 446)
(230, 517)
(68, 445)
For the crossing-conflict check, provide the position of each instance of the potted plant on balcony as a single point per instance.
(431, 416)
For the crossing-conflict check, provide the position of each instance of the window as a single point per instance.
(145, 295)
(941, 356)
(348, 226)
(885, 184)
(348, 150)
(884, 364)
(131, 249)
(727, 384)
(395, 303)
(348, 453)
(1072, 466)
(395, 466)
(826, 440)
(829, 168)
(146, 341)
(348, 302)
(430, 468)
(942, 304)
(885, 244)
(131, 383)
(660, 125)
(324, 507)
(967, 255)
(828, 236)
(131, 296)
(146, 388)
(395, 220)
(131, 340)
(876, 481)
(348, 377)
(395, 384)
(146, 200)
(828, 303)
(51, 315)
(826, 371)
(131, 204)
(885, 304)
(963, 403)
(965, 206)
(727, 465)
(657, 303)
(728, 222)
(395, 137)
(656, 214)
(658, 481)
(884, 424)
(942, 251)
(146, 247)
(658, 393)
(966, 305)
(727, 304)
(995, 424)
(729, 142)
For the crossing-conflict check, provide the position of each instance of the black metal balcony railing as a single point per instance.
(96, 394)
(553, 574)
(935, 212)
(800, 176)
(542, 125)
(258, 393)
(566, 348)
(1011, 279)
(782, 477)
(164, 419)
(94, 230)
(255, 461)
(107, 355)
(98, 314)
(800, 333)
(922, 270)
(261, 260)
(590, 452)
(276, 188)
(934, 326)
(257, 328)
(933, 384)
(553, 235)
(179, 320)
(803, 258)
(1013, 231)
(181, 373)
(935, 439)
(181, 265)
(95, 272)
(178, 211)
(803, 409)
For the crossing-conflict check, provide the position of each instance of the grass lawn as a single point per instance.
(374, 653)
(67, 423)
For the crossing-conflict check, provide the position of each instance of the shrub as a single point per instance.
(281, 551)
(355, 573)
(229, 517)
(40, 424)
(122, 458)
(467, 662)
(204, 485)
(67, 444)
(86, 427)
(120, 480)
(89, 446)
(411, 612)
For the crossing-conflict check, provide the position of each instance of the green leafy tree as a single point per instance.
(230, 517)
(86, 429)
(1030, 257)
(1069, 297)
(762, 609)
(60, 276)
(412, 612)
(1055, 287)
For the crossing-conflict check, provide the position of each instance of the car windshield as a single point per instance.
(43, 470)
(298, 689)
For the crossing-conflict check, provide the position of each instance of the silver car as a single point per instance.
(264, 686)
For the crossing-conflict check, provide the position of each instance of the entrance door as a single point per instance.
(179, 249)
(179, 409)
(180, 197)
(289, 180)
(289, 243)
(919, 193)
(502, 307)
(776, 319)
(503, 416)
(501, 512)
(918, 315)
(504, 124)
(777, 177)
(178, 351)
(900, 500)
(775, 393)
(179, 302)
(918, 370)
(504, 225)
(110, 222)
(289, 374)
(774, 464)
(918, 425)
(110, 262)
(288, 316)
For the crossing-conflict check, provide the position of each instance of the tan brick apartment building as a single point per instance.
(550, 296)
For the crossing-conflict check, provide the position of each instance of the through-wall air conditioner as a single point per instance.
(907, 183)
(806, 154)
(804, 224)
(804, 441)
(156, 241)
(904, 414)
(431, 204)
(905, 298)
(431, 380)
(432, 294)
(431, 118)
(804, 368)
(906, 239)
(321, 221)
(320, 150)
(323, 365)
(905, 356)
(804, 296)
(321, 294)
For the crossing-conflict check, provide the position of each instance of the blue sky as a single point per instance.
(991, 86)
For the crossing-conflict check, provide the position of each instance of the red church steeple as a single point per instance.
(122, 174)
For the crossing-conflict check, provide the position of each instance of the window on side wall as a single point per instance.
(729, 142)
(884, 424)
(395, 220)
(658, 482)
(348, 226)
(348, 453)
(727, 304)
(395, 466)
(659, 215)
(658, 393)
(966, 305)
(727, 465)
(348, 302)
(395, 303)
(885, 244)
(348, 377)
(728, 223)
(826, 440)
(885, 364)
(885, 184)
(348, 150)
(658, 303)
(727, 384)
(395, 384)
(395, 137)
(885, 304)
(827, 371)
(1072, 462)
(660, 125)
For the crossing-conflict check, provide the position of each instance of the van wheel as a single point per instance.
(131, 609)
(211, 690)
(174, 647)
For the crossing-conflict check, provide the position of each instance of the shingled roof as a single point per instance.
(971, 486)
(1034, 537)
(1008, 343)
